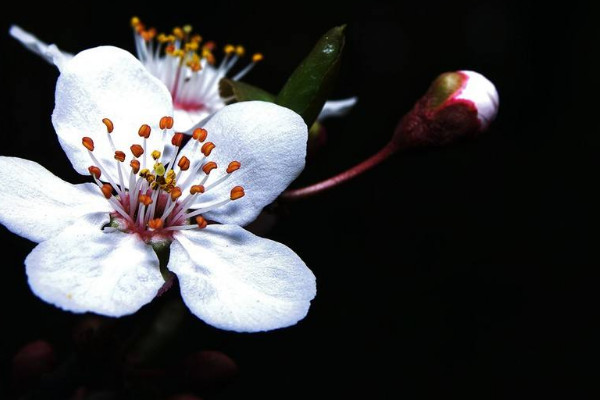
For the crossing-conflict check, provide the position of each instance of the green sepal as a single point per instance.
(242, 91)
(309, 86)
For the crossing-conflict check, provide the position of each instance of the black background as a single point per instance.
(460, 271)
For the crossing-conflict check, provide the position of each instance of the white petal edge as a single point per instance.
(86, 269)
(37, 205)
(482, 92)
(108, 82)
(48, 52)
(235, 280)
(337, 108)
(270, 143)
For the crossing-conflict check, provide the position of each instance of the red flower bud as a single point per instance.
(457, 105)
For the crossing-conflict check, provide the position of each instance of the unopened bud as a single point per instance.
(457, 105)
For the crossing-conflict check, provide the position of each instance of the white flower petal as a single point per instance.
(270, 143)
(38, 205)
(185, 120)
(237, 281)
(482, 92)
(337, 108)
(107, 82)
(50, 53)
(87, 269)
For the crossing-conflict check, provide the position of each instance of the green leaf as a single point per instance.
(243, 91)
(311, 83)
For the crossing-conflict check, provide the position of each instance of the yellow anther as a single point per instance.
(191, 46)
(240, 51)
(109, 125)
(237, 193)
(196, 38)
(228, 49)
(150, 178)
(170, 175)
(257, 57)
(187, 29)
(155, 154)
(144, 173)
(162, 38)
(159, 168)
(178, 32)
(135, 21)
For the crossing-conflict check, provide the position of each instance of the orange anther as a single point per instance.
(240, 51)
(228, 49)
(175, 193)
(257, 57)
(184, 163)
(106, 190)
(145, 199)
(209, 166)
(135, 166)
(210, 45)
(199, 134)
(144, 131)
(237, 192)
(109, 125)
(201, 222)
(233, 166)
(155, 223)
(196, 189)
(136, 150)
(88, 143)
(119, 156)
(207, 148)
(166, 123)
(95, 171)
(177, 139)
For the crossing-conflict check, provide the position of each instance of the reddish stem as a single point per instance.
(369, 163)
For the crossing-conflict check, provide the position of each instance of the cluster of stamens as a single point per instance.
(180, 58)
(153, 203)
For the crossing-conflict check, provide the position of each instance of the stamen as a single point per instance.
(155, 223)
(209, 166)
(95, 171)
(237, 193)
(144, 131)
(199, 134)
(137, 150)
(207, 148)
(233, 166)
(109, 125)
(119, 156)
(88, 143)
(184, 163)
(135, 166)
(177, 139)
(201, 222)
(107, 190)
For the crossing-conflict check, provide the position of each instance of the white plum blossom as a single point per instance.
(186, 66)
(97, 243)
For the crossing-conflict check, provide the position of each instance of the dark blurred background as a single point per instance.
(458, 271)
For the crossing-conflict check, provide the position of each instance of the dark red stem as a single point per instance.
(377, 158)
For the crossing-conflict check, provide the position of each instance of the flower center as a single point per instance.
(149, 200)
(186, 65)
